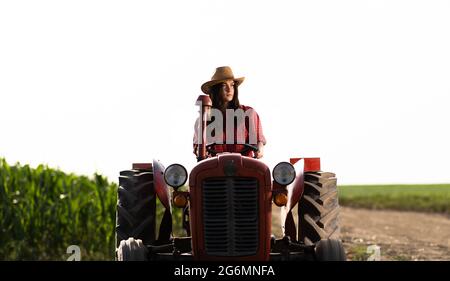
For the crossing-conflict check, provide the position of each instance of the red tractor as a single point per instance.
(227, 210)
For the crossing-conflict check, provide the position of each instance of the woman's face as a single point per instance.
(227, 91)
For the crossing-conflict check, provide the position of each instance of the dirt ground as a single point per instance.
(400, 235)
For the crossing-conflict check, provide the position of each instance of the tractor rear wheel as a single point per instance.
(330, 250)
(136, 207)
(318, 208)
(132, 250)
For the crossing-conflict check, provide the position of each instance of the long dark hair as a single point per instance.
(217, 102)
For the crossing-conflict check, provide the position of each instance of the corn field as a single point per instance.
(44, 211)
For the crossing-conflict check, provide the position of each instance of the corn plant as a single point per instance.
(44, 211)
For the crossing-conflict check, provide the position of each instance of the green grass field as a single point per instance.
(424, 198)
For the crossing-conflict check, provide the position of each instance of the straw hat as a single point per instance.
(222, 74)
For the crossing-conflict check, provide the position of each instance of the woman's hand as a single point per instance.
(208, 153)
(260, 152)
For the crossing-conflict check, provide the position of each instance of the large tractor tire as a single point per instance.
(330, 250)
(136, 207)
(132, 250)
(318, 208)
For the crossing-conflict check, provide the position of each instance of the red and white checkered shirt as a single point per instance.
(220, 140)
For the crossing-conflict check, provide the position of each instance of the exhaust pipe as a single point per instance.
(205, 103)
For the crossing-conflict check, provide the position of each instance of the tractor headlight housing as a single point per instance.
(175, 175)
(284, 173)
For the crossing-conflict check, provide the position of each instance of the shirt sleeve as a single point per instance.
(257, 126)
(260, 134)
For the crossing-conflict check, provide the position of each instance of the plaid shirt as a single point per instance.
(219, 138)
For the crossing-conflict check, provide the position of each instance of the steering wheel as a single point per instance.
(250, 147)
(247, 148)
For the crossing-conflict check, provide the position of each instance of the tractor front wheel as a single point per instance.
(330, 250)
(132, 250)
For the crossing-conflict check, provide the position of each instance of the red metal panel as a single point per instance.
(245, 167)
(206, 164)
(311, 164)
(161, 188)
(295, 189)
(142, 166)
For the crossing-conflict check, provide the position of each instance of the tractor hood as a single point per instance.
(231, 165)
(230, 199)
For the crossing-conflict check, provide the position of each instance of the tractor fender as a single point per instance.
(295, 189)
(295, 192)
(161, 188)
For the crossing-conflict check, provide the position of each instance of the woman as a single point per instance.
(223, 91)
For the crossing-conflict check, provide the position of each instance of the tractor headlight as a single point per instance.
(175, 175)
(283, 173)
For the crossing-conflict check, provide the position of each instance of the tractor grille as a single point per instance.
(230, 216)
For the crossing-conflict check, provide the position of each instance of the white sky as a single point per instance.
(97, 85)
